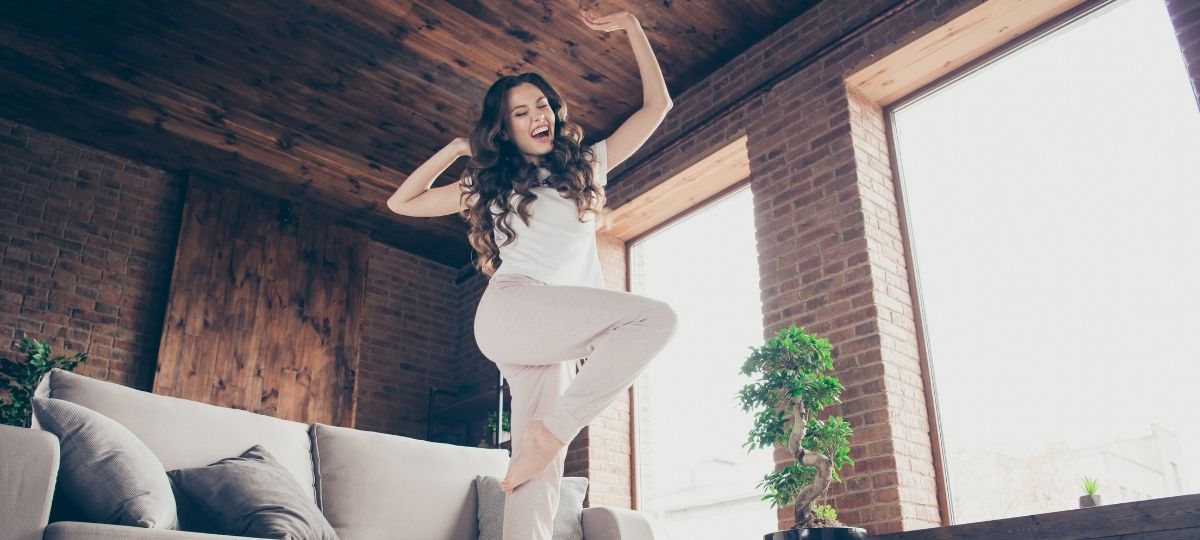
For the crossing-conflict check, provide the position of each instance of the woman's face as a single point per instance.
(529, 121)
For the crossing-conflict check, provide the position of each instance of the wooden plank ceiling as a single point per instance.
(330, 102)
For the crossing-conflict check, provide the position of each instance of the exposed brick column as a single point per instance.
(908, 444)
(835, 265)
(831, 257)
(409, 339)
(603, 450)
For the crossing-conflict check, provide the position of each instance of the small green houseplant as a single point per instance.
(18, 380)
(792, 386)
(489, 428)
(1090, 497)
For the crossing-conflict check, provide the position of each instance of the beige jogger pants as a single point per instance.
(536, 334)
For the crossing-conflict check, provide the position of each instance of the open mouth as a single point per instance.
(542, 134)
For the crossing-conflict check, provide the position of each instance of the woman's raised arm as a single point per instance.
(414, 198)
(656, 101)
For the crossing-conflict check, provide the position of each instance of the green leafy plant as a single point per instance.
(20, 379)
(791, 388)
(489, 427)
(825, 512)
(1090, 486)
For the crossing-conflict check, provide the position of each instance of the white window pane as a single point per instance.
(697, 481)
(1054, 208)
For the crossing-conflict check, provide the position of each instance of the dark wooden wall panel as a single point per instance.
(264, 308)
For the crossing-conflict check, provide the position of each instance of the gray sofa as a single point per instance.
(368, 485)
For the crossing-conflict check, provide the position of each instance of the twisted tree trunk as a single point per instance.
(809, 493)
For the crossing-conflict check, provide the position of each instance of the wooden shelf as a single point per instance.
(472, 407)
(1162, 518)
(467, 412)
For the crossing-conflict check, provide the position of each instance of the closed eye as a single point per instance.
(543, 106)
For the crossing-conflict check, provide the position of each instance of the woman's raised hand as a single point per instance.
(621, 20)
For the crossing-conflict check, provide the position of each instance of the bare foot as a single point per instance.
(538, 448)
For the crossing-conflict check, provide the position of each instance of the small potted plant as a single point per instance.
(18, 380)
(792, 387)
(1089, 497)
(489, 428)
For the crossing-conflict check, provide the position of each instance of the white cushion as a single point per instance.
(374, 485)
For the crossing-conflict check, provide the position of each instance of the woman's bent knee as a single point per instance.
(664, 315)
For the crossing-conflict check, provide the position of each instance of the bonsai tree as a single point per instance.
(791, 389)
(18, 380)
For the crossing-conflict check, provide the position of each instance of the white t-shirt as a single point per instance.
(555, 247)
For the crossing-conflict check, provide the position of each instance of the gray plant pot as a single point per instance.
(1088, 501)
(819, 533)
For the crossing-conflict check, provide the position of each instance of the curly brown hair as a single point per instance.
(497, 170)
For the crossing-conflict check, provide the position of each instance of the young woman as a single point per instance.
(531, 196)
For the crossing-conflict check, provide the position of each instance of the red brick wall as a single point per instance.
(896, 463)
(410, 339)
(606, 445)
(1185, 15)
(476, 370)
(87, 242)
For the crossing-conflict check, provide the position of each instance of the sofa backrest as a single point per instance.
(185, 433)
(375, 485)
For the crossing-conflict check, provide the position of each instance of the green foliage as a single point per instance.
(489, 427)
(1090, 486)
(791, 371)
(20, 379)
(782, 486)
(824, 512)
(830, 438)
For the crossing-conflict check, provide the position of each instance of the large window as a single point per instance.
(696, 480)
(1053, 208)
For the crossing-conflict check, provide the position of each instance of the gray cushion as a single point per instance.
(568, 519)
(375, 485)
(185, 433)
(111, 476)
(253, 495)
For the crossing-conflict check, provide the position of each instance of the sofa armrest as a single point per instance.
(75, 530)
(27, 474)
(612, 523)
